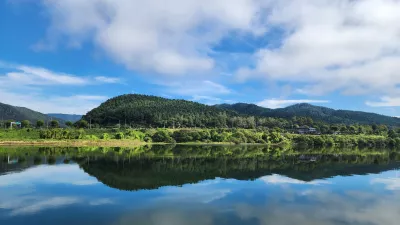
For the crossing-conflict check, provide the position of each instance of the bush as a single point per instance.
(162, 136)
(119, 136)
(105, 136)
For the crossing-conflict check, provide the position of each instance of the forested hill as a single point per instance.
(9, 112)
(151, 111)
(143, 110)
(317, 113)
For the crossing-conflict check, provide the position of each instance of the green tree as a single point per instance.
(54, 124)
(39, 123)
(392, 134)
(25, 123)
(8, 123)
(82, 124)
(69, 124)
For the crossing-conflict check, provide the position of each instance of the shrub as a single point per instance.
(119, 136)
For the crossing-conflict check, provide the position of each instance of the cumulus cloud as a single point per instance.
(330, 45)
(168, 38)
(279, 103)
(385, 102)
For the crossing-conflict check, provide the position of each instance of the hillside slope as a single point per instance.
(66, 117)
(144, 110)
(9, 112)
(317, 113)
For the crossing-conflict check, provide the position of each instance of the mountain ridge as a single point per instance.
(66, 117)
(321, 113)
(16, 113)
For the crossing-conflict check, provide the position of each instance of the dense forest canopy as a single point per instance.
(135, 110)
(317, 113)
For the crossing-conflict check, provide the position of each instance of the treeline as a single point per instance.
(235, 136)
(142, 111)
(362, 141)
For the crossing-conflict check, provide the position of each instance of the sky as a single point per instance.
(69, 56)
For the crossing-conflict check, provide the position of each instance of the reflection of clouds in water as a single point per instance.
(21, 205)
(51, 203)
(315, 205)
(392, 183)
(193, 194)
(278, 179)
(203, 192)
(165, 216)
(102, 201)
(325, 207)
(60, 174)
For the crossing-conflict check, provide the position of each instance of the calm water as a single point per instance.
(197, 185)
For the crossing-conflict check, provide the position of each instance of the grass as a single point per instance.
(73, 143)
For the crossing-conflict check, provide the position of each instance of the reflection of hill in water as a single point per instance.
(153, 167)
(152, 173)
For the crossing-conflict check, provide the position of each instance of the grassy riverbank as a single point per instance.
(132, 137)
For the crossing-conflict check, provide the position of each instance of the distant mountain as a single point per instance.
(317, 113)
(9, 112)
(66, 117)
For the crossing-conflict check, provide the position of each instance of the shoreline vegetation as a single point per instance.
(71, 137)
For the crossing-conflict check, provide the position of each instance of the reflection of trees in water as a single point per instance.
(161, 165)
(154, 172)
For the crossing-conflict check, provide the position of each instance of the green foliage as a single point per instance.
(82, 124)
(39, 123)
(54, 124)
(25, 123)
(69, 124)
(315, 113)
(163, 136)
(135, 134)
(119, 136)
(105, 136)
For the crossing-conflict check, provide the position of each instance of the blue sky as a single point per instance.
(69, 56)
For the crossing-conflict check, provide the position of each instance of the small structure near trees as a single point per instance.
(306, 130)
(18, 124)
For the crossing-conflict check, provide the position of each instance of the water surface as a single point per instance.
(198, 185)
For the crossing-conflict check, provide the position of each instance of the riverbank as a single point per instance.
(73, 143)
(138, 137)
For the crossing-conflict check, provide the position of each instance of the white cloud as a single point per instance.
(76, 104)
(209, 100)
(279, 103)
(107, 79)
(195, 88)
(385, 102)
(168, 38)
(277, 179)
(23, 75)
(330, 45)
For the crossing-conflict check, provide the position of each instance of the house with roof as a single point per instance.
(306, 130)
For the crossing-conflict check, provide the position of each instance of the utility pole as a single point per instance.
(90, 122)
